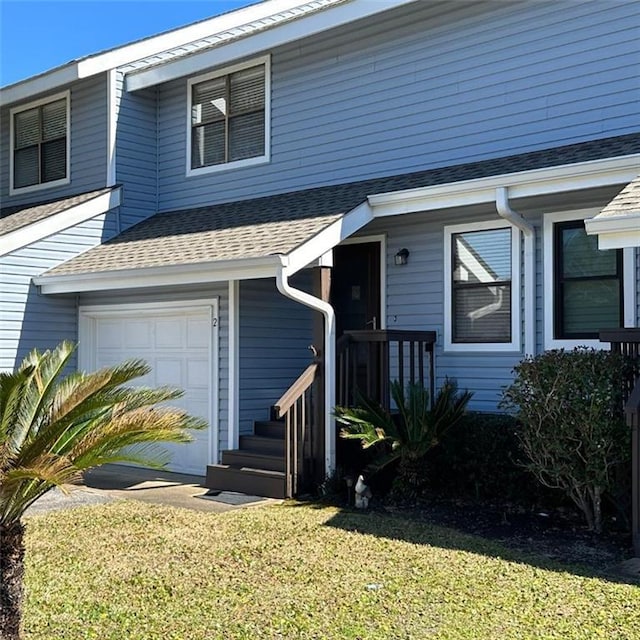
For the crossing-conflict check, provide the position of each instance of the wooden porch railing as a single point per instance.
(368, 360)
(627, 342)
(296, 407)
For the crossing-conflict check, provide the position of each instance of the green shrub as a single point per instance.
(481, 459)
(569, 404)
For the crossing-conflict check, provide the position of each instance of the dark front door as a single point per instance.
(355, 286)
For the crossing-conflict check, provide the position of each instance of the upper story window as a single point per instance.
(40, 144)
(229, 118)
(482, 287)
(586, 289)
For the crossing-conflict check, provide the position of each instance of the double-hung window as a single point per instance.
(229, 118)
(588, 283)
(40, 144)
(482, 289)
(585, 289)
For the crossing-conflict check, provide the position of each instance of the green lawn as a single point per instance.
(128, 571)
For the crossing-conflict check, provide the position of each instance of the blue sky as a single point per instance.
(38, 35)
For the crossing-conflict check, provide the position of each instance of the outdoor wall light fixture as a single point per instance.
(402, 257)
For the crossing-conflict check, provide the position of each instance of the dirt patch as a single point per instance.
(558, 535)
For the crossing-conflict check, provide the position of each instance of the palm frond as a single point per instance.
(415, 429)
(53, 426)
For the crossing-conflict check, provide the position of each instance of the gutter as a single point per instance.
(516, 219)
(282, 281)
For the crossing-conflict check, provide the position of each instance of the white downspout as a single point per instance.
(282, 282)
(514, 218)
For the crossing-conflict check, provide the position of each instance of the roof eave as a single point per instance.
(139, 50)
(615, 232)
(161, 276)
(57, 222)
(266, 40)
(522, 184)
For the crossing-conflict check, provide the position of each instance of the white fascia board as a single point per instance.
(45, 82)
(328, 238)
(620, 240)
(613, 224)
(180, 275)
(265, 40)
(141, 49)
(522, 184)
(60, 221)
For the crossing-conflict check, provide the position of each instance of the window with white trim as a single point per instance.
(228, 118)
(482, 287)
(583, 286)
(40, 144)
(588, 288)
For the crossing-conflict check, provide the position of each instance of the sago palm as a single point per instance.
(408, 433)
(54, 426)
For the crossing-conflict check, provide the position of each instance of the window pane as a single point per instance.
(482, 256)
(591, 305)
(247, 90)
(54, 160)
(581, 256)
(54, 120)
(25, 167)
(482, 314)
(207, 145)
(209, 101)
(27, 128)
(246, 136)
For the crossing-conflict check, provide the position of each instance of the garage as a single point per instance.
(179, 341)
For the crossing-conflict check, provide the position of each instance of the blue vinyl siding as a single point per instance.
(136, 153)
(275, 333)
(28, 319)
(427, 85)
(88, 145)
(415, 299)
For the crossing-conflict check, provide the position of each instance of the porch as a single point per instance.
(284, 456)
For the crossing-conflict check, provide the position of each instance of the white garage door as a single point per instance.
(178, 342)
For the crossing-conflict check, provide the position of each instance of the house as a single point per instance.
(413, 176)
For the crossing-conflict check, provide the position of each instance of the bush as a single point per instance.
(569, 404)
(481, 459)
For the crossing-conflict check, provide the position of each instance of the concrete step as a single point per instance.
(255, 482)
(253, 459)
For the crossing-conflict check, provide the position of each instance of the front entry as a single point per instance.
(355, 286)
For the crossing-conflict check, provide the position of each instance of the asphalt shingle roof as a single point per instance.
(17, 217)
(626, 203)
(280, 223)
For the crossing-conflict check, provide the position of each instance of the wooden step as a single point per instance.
(269, 428)
(255, 482)
(268, 445)
(253, 459)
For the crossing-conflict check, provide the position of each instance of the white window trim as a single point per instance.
(516, 285)
(628, 275)
(25, 107)
(246, 162)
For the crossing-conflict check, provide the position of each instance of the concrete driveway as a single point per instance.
(119, 482)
